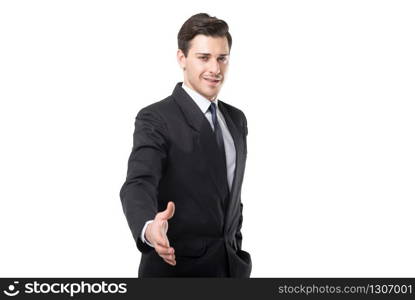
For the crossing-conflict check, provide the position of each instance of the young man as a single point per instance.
(182, 195)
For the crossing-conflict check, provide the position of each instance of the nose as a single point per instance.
(214, 67)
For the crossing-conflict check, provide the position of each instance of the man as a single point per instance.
(182, 195)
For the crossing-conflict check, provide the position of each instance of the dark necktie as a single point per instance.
(218, 132)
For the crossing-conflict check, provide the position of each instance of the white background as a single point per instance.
(328, 90)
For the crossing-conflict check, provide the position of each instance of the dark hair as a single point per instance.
(202, 24)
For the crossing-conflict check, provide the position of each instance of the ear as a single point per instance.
(181, 59)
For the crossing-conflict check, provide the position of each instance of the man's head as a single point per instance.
(204, 47)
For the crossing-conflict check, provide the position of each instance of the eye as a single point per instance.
(222, 58)
(204, 58)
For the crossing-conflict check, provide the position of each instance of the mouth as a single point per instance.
(212, 82)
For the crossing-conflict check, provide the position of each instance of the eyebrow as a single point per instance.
(208, 54)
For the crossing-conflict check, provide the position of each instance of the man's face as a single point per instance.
(205, 65)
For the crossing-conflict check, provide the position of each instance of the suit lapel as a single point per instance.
(192, 113)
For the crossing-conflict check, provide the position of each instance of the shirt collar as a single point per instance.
(201, 101)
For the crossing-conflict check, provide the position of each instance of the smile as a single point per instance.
(212, 81)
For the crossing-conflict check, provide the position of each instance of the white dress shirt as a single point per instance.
(229, 145)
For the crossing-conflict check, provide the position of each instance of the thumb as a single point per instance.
(168, 212)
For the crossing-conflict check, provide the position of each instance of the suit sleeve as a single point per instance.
(238, 235)
(145, 168)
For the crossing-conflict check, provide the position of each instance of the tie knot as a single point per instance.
(212, 108)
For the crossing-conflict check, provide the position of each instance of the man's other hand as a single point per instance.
(156, 234)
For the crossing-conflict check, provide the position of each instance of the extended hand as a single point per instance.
(156, 234)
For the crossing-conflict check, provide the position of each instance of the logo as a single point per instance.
(70, 288)
(12, 289)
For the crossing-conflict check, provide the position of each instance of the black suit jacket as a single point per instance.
(175, 158)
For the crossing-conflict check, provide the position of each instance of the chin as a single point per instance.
(210, 93)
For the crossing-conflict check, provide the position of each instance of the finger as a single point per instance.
(168, 212)
(170, 262)
(164, 250)
(169, 257)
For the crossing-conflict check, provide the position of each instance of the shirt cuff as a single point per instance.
(143, 238)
